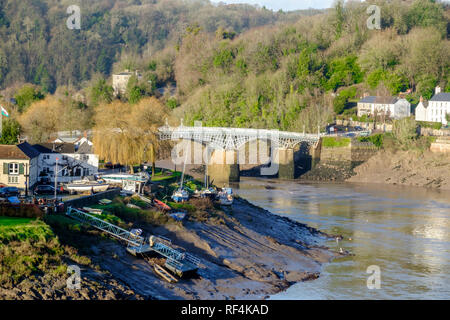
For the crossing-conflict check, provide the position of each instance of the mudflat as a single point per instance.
(408, 168)
(250, 254)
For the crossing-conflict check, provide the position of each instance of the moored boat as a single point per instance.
(119, 178)
(178, 215)
(225, 196)
(180, 195)
(86, 186)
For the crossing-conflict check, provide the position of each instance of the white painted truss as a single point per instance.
(235, 138)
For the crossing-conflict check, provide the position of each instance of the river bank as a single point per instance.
(246, 253)
(406, 168)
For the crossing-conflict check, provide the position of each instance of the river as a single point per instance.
(404, 231)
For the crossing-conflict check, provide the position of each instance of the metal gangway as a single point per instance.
(115, 231)
(178, 261)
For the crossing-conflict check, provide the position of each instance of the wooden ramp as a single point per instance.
(163, 273)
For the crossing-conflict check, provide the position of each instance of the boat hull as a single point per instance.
(87, 188)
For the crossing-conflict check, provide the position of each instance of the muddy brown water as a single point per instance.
(405, 231)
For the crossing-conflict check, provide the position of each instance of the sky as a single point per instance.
(286, 5)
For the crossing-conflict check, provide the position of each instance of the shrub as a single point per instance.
(405, 130)
(376, 139)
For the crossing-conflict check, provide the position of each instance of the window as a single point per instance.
(64, 157)
(13, 168)
(46, 157)
(13, 179)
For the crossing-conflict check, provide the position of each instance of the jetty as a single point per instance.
(179, 262)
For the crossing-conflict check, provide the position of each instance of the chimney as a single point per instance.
(421, 99)
(437, 90)
(85, 134)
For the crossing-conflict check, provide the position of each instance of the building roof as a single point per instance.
(443, 96)
(85, 148)
(379, 99)
(22, 151)
(55, 147)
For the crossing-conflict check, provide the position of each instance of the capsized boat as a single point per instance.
(180, 195)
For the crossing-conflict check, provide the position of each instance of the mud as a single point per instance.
(251, 254)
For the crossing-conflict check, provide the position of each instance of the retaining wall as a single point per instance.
(91, 199)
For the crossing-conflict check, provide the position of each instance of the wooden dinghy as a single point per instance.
(133, 206)
(161, 205)
(163, 273)
(105, 201)
(92, 210)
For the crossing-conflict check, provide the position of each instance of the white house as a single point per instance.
(120, 81)
(421, 110)
(393, 107)
(76, 137)
(73, 163)
(437, 109)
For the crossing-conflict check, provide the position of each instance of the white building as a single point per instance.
(437, 108)
(76, 137)
(392, 107)
(421, 110)
(73, 163)
(120, 81)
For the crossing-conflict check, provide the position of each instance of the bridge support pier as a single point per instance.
(285, 160)
(223, 167)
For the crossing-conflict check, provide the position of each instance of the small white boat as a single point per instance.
(118, 178)
(178, 215)
(207, 193)
(133, 206)
(226, 199)
(225, 196)
(86, 186)
(93, 210)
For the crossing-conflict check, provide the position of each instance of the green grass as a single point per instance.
(19, 229)
(182, 206)
(161, 177)
(334, 142)
(11, 221)
(119, 209)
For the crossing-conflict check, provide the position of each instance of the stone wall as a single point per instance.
(355, 153)
(385, 127)
(92, 199)
(441, 145)
(434, 132)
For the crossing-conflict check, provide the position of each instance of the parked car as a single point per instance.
(358, 128)
(44, 189)
(9, 192)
